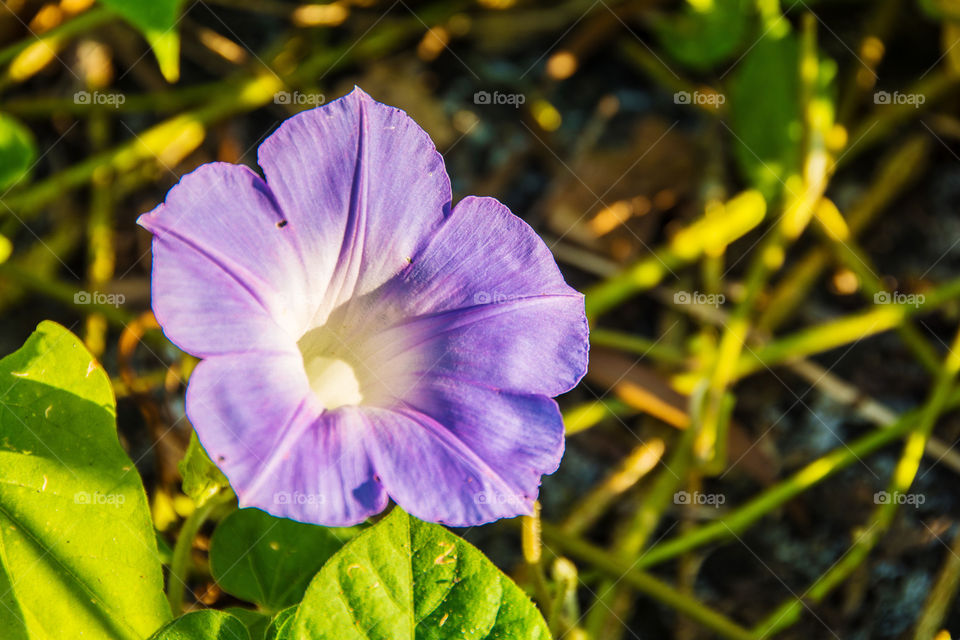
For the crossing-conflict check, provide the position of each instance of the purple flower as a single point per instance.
(361, 340)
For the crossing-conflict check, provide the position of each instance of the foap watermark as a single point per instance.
(493, 497)
(298, 97)
(493, 297)
(285, 497)
(885, 97)
(99, 97)
(697, 297)
(497, 97)
(895, 297)
(98, 297)
(885, 497)
(699, 498)
(97, 498)
(703, 98)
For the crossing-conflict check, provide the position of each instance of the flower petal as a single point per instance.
(362, 186)
(487, 285)
(483, 254)
(257, 419)
(464, 455)
(533, 345)
(225, 277)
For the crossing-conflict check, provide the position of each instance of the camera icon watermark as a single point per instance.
(887, 297)
(299, 97)
(512, 99)
(702, 98)
(697, 297)
(885, 97)
(97, 297)
(699, 498)
(885, 497)
(100, 98)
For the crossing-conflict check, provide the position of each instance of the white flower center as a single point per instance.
(333, 381)
(356, 358)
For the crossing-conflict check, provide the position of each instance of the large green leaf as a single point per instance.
(268, 560)
(404, 579)
(17, 151)
(78, 557)
(208, 624)
(157, 20)
(705, 33)
(764, 102)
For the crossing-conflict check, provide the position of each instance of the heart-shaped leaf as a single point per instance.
(270, 561)
(78, 556)
(404, 579)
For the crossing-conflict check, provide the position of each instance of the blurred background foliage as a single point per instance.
(758, 197)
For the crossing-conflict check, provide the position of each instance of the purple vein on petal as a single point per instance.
(467, 316)
(351, 250)
(242, 276)
(455, 445)
(279, 451)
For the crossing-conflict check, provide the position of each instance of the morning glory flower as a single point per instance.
(360, 338)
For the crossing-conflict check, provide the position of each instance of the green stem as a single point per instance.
(172, 140)
(941, 595)
(741, 214)
(648, 584)
(634, 535)
(903, 477)
(836, 333)
(896, 173)
(61, 292)
(154, 102)
(62, 33)
(779, 494)
(665, 353)
(857, 261)
(180, 565)
(591, 413)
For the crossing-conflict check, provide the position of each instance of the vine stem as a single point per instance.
(648, 584)
(903, 477)
(777, 495)
(62, 33)
(180, 564)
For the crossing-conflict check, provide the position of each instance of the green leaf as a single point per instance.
(765, 113)
(404, 579)
(255, 622)
(281, 626)
(157, 20)
(18, 151)
(705, 33)
(78, 556)
(270, 561)
(947, 10)
(208, 624)
(201, 478)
